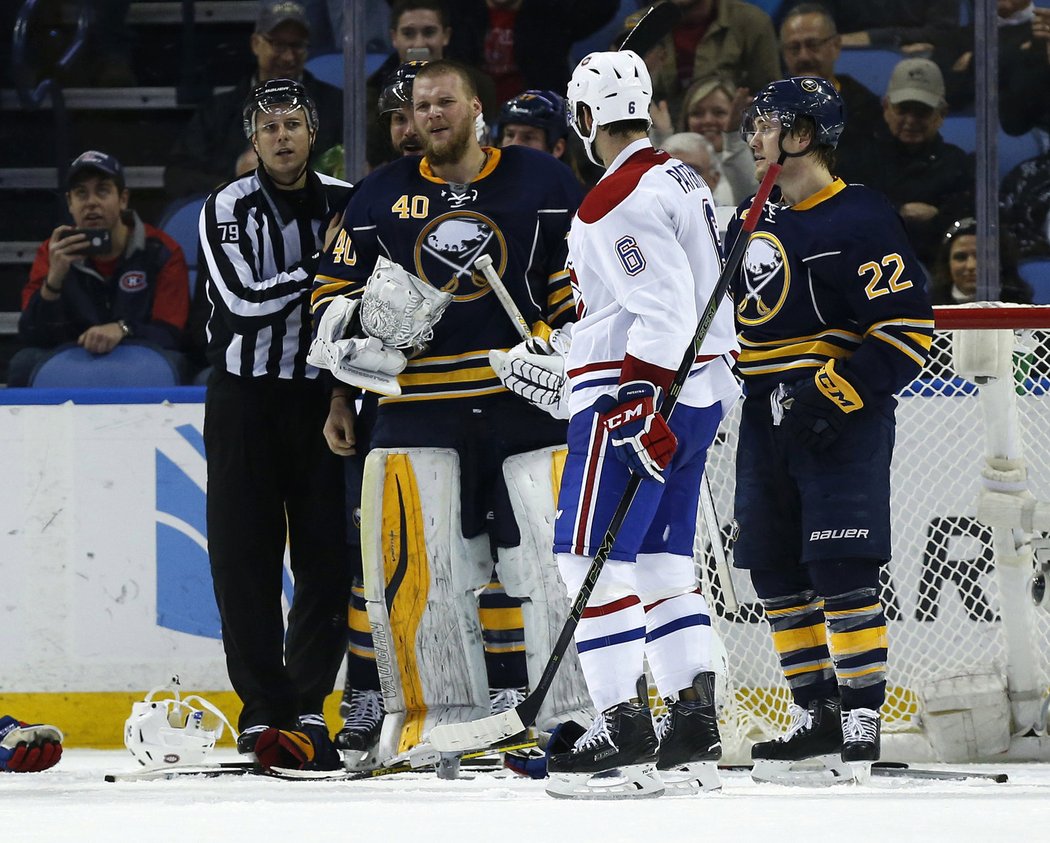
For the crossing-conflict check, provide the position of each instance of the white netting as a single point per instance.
(940, 589)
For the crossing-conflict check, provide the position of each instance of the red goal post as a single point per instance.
(969, 658)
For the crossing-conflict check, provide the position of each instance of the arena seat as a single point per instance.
(1036, 273)
(129, 364)
(329, 67)
(872, 68)
(961, 130)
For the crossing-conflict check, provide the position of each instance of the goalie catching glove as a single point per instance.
(358, 341)
(535, 370)
(814, 410)
(26, 748)
(639, 434)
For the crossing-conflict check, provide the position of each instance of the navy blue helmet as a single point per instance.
(398, 89)
(799, 96)
(542, 109)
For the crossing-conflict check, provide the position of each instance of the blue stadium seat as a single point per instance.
(329, 67)
(180, 222)
(962, 130)
(872, 68)
(126, 365)
(1036, 273)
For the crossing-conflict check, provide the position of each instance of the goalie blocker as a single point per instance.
(421, 577)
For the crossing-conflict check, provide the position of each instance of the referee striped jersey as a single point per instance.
(259, 250)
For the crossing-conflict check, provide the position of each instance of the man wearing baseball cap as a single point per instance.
(930, 182)
(211, 149)
(104, 280)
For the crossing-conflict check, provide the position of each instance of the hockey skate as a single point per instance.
(690, 745)
(615, 758)
(358, 740)
(861, 740)
(808, 753)
(247, 739)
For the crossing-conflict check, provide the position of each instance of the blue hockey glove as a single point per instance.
(640, 437)
(26, 748)
(815, 410)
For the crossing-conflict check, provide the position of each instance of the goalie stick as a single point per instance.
(457, 737)
(422, 759)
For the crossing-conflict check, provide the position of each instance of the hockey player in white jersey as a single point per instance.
(644, 257)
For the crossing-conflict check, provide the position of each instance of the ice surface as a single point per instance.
(73, 803)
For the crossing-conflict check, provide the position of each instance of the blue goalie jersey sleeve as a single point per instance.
(517, 211)
(831, 278)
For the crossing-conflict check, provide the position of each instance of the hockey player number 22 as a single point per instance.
(879, 285)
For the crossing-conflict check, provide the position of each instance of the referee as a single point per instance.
(271, 477)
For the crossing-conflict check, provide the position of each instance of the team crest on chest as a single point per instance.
(448, 246)
(766, 274)
(132, 282)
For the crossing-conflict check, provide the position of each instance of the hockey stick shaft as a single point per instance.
(484, 263)
(718, 552)
(452, 737)
(651, 28)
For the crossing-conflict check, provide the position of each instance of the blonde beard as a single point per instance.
(454, 150)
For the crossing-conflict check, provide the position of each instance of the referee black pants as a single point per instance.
(272, 480)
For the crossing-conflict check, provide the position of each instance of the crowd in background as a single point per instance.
(704, 72)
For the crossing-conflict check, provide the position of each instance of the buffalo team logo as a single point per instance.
(448, 247)
(132, 282)
(767, 277)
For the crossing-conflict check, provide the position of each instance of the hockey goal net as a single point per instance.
(969, 658)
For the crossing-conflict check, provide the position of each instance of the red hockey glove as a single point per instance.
(28, 748)
(305, 748)
(640, 437)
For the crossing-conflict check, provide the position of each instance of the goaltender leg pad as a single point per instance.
(529, 571)
(967, 716)
(420, 576)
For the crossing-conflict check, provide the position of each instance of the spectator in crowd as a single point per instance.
(928, 180)
(890, 24)
(955, 270)
(325, 18)
(712, 107)
(211, 149)
(524, 44)
(726, 37)
(107, 278)
(1024, 78)
(272, 482)
(696, 151)
(419, 31)
(1024, 205)
(811, 45)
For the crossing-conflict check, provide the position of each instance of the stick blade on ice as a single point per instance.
(476, 734)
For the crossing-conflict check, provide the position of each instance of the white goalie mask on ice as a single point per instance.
(399, 308)
(172, 730)
(613, 87)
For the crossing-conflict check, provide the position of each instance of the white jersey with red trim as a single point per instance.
(644, 258)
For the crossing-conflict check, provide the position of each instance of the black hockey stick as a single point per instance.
(459, 737)
(651, 28)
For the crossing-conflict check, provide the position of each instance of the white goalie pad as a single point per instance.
(529, 571)
(420, 578)
(399, 308)
(967, 715)
(359, 361)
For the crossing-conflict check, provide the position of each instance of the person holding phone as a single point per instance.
(105, 279)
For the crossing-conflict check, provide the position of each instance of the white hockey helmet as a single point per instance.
(614, 86)
(173, 731)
